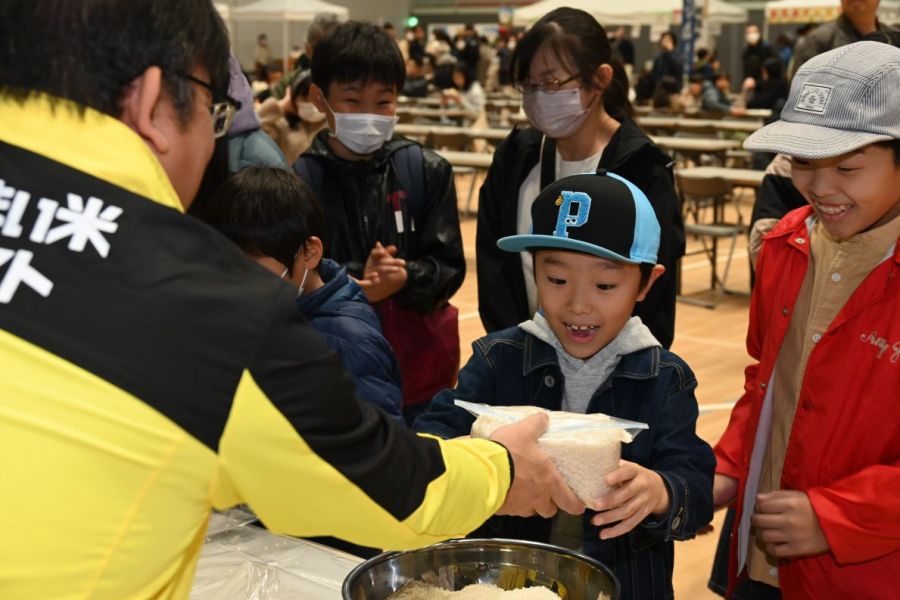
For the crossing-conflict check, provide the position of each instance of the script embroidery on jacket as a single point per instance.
(882, 345)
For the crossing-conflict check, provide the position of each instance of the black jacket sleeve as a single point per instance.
(502, 299)
(436, 267)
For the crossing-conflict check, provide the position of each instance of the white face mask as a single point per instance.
(302, 281)
(557, 115)
(309, 113)
(362, 133)
(752, 38)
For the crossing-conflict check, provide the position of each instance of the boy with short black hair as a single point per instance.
(277, 220)
(595, 239)
(812, 452)
(390, 205)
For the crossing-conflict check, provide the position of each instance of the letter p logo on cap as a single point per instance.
(567, 218)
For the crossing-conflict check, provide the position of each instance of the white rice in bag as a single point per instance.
(585, 448)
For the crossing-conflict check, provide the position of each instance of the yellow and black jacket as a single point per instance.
(149, 372)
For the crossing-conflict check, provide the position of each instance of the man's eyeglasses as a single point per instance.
(550, 86)
(223, 108)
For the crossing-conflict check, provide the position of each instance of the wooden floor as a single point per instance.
(711, 341)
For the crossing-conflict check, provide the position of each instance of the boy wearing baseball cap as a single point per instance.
(595, 239)
(812, 452)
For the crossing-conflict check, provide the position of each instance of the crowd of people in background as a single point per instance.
(357, 233)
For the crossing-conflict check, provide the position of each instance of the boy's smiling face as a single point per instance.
(853, 192)
(586, 299)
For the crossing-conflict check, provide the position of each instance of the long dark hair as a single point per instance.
(577, 39)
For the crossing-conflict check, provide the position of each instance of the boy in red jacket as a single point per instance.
(812, 452)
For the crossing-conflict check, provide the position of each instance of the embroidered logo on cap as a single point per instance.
(566, 218)
(814, 98)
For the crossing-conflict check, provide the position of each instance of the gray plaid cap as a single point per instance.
(840, 101)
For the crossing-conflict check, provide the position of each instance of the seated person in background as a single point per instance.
(811, 455)
(416, 85)
(692, 95)
(390, 215)
(293, 121)
(773, 89)
(467, 93)
(715, 97)
(704, 64)
(667, 96)
(644, 86)
(595, 239)
(276, 219)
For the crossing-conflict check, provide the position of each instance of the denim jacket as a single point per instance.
(654, 386)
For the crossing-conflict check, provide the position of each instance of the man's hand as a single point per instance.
(786, 522)
(639, 492)
(724, 490)
(383, 275)
(537, 487)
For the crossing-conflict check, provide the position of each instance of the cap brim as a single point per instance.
(809, 141)
(518, 243)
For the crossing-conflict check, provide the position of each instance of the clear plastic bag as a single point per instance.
(584, 447)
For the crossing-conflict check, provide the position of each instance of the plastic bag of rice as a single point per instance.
(583, 447)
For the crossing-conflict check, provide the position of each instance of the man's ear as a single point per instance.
(140, 106)
(311, 254)
(655, 274)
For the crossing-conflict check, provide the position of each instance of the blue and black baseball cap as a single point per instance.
(596, 213)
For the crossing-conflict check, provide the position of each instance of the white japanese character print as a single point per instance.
(83, 223)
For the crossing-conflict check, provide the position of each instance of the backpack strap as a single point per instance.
(409, 166)
(311, 171)
(548, 161)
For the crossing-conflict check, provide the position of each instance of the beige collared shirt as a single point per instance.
(835, 271)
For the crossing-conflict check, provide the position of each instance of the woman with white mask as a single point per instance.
(576, 97)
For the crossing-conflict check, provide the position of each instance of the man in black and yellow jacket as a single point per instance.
(148, 372)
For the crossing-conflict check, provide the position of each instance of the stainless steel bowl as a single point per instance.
(509, 564)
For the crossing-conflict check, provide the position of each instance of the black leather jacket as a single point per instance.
(360, 200)
(502, 299)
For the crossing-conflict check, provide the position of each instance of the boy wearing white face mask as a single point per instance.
(575, 96)
(277, 220)
(390, 205)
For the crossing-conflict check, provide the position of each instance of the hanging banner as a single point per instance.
(687, 39)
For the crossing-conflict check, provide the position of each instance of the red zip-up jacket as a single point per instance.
(844, 447)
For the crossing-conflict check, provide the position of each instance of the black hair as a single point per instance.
(722, 75)
(442, 35)
(667, 86)
(702, 53)
(357, 52)
(696, 78)
(267, 212)
(774, 68)
(894, 146)
(646, 271)
(576, 38)
(669, 34)
(467, 73)
(89, 51)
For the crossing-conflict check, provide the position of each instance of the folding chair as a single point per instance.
(701, 196)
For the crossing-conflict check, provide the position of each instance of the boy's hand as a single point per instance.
(384, 275)
(641, 492)
(537, 486)
(786, 522)
(724, 490)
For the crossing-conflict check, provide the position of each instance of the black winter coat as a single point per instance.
(360, 200)
(502, 299)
